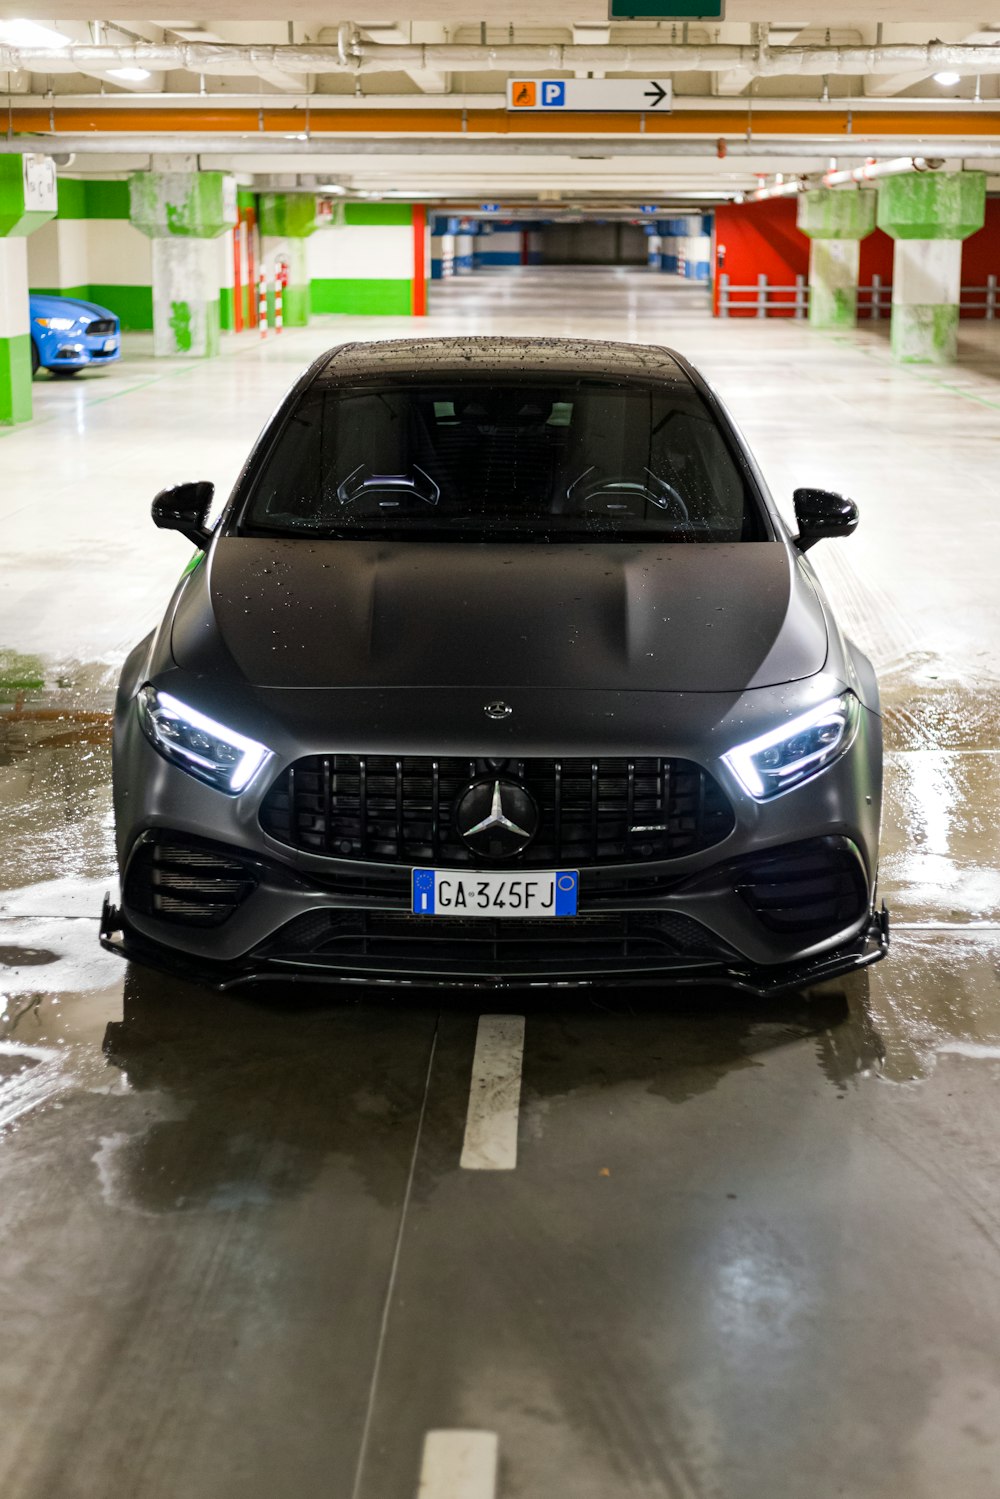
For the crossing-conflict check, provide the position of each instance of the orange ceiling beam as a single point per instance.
(714, 122)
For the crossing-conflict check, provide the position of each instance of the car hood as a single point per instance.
(683, 618)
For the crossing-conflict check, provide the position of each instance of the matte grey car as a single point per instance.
(499, 667)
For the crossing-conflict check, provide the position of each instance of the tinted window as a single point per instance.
(556, 458)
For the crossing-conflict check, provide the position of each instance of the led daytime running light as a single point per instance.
(164, 716)
(749, 762)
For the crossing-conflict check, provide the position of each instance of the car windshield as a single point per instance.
(534, 458)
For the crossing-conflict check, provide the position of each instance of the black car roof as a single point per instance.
(493, 356)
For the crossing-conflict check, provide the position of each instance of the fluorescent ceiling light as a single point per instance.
(947, 80)
(30, 34)
(130, 75)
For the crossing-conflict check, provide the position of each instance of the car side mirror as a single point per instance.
(820, 513)
(184, 508)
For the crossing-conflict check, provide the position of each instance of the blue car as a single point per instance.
(68, 334)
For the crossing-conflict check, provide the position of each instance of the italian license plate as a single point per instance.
(110, 344)
(448, 892)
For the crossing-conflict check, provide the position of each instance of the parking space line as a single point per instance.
(494, 1095)
(459, 1465)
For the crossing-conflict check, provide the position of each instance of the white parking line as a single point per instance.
(494, 1095)
(459, 1465)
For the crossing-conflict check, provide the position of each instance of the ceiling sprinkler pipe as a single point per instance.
(663, 148)
(353, 54)
(870, 171)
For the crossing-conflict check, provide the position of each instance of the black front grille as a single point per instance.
(401, 810)
(187, 883)
(818, 886)
(105, 326)
(442, 944)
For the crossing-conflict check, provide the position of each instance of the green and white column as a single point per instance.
(929, 215)
(835, 221)
(286, 222)
(27, 201)
(183, 212)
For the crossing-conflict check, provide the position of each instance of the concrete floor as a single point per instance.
(747, 1252)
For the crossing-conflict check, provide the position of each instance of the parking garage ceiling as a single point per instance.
(417, 108)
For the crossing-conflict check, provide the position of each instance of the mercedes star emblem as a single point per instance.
(498, 710)
(496, 819)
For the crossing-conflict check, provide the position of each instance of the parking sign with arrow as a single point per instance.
(617, 95)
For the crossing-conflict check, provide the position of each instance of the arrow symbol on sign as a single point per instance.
(657, 95)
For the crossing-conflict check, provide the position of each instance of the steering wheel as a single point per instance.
(652, 491)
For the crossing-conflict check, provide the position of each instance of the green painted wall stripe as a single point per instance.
(226, 319)
(107, 200)
(245, 198)
(393, 298)
(72, 198)
(92, 200)
(132, 305)
(378, 213)
(62, 291)
(15, 379)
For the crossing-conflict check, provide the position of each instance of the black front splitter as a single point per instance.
(870, 946)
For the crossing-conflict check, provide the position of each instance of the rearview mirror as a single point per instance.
(820, 513)
(184, 508)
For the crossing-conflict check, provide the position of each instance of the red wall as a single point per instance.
(759, 238)
(981, 253)
(762, 238)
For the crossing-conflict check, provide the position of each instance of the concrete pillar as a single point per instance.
(464, 248)
(835, 220)
(183, 211)
(653, 251)
(286, 222)
(442, 248)
(27, 201)
(929, 215)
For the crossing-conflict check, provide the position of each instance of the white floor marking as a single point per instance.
(494, 1095)
(459, 1465)
(970, 1049)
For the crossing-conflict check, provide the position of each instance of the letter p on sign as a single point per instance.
(554, 95)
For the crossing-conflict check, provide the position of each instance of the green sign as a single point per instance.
(667, 10)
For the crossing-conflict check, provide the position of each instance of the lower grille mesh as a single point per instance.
(818, 886)
(187, 883)
(435, 943)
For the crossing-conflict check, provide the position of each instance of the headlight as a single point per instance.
(788, 755)
(206, 749)
(57, 324)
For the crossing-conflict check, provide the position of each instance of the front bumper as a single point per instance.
(869, 945)
(778, 920)
(74, 352)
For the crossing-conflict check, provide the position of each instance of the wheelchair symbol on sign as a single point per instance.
(554, 95)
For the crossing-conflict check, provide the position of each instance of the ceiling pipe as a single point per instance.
(190, 143)
(355, 55)
(872, 170)
(842, 176)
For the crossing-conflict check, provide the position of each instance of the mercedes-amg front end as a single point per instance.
(499, 667)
